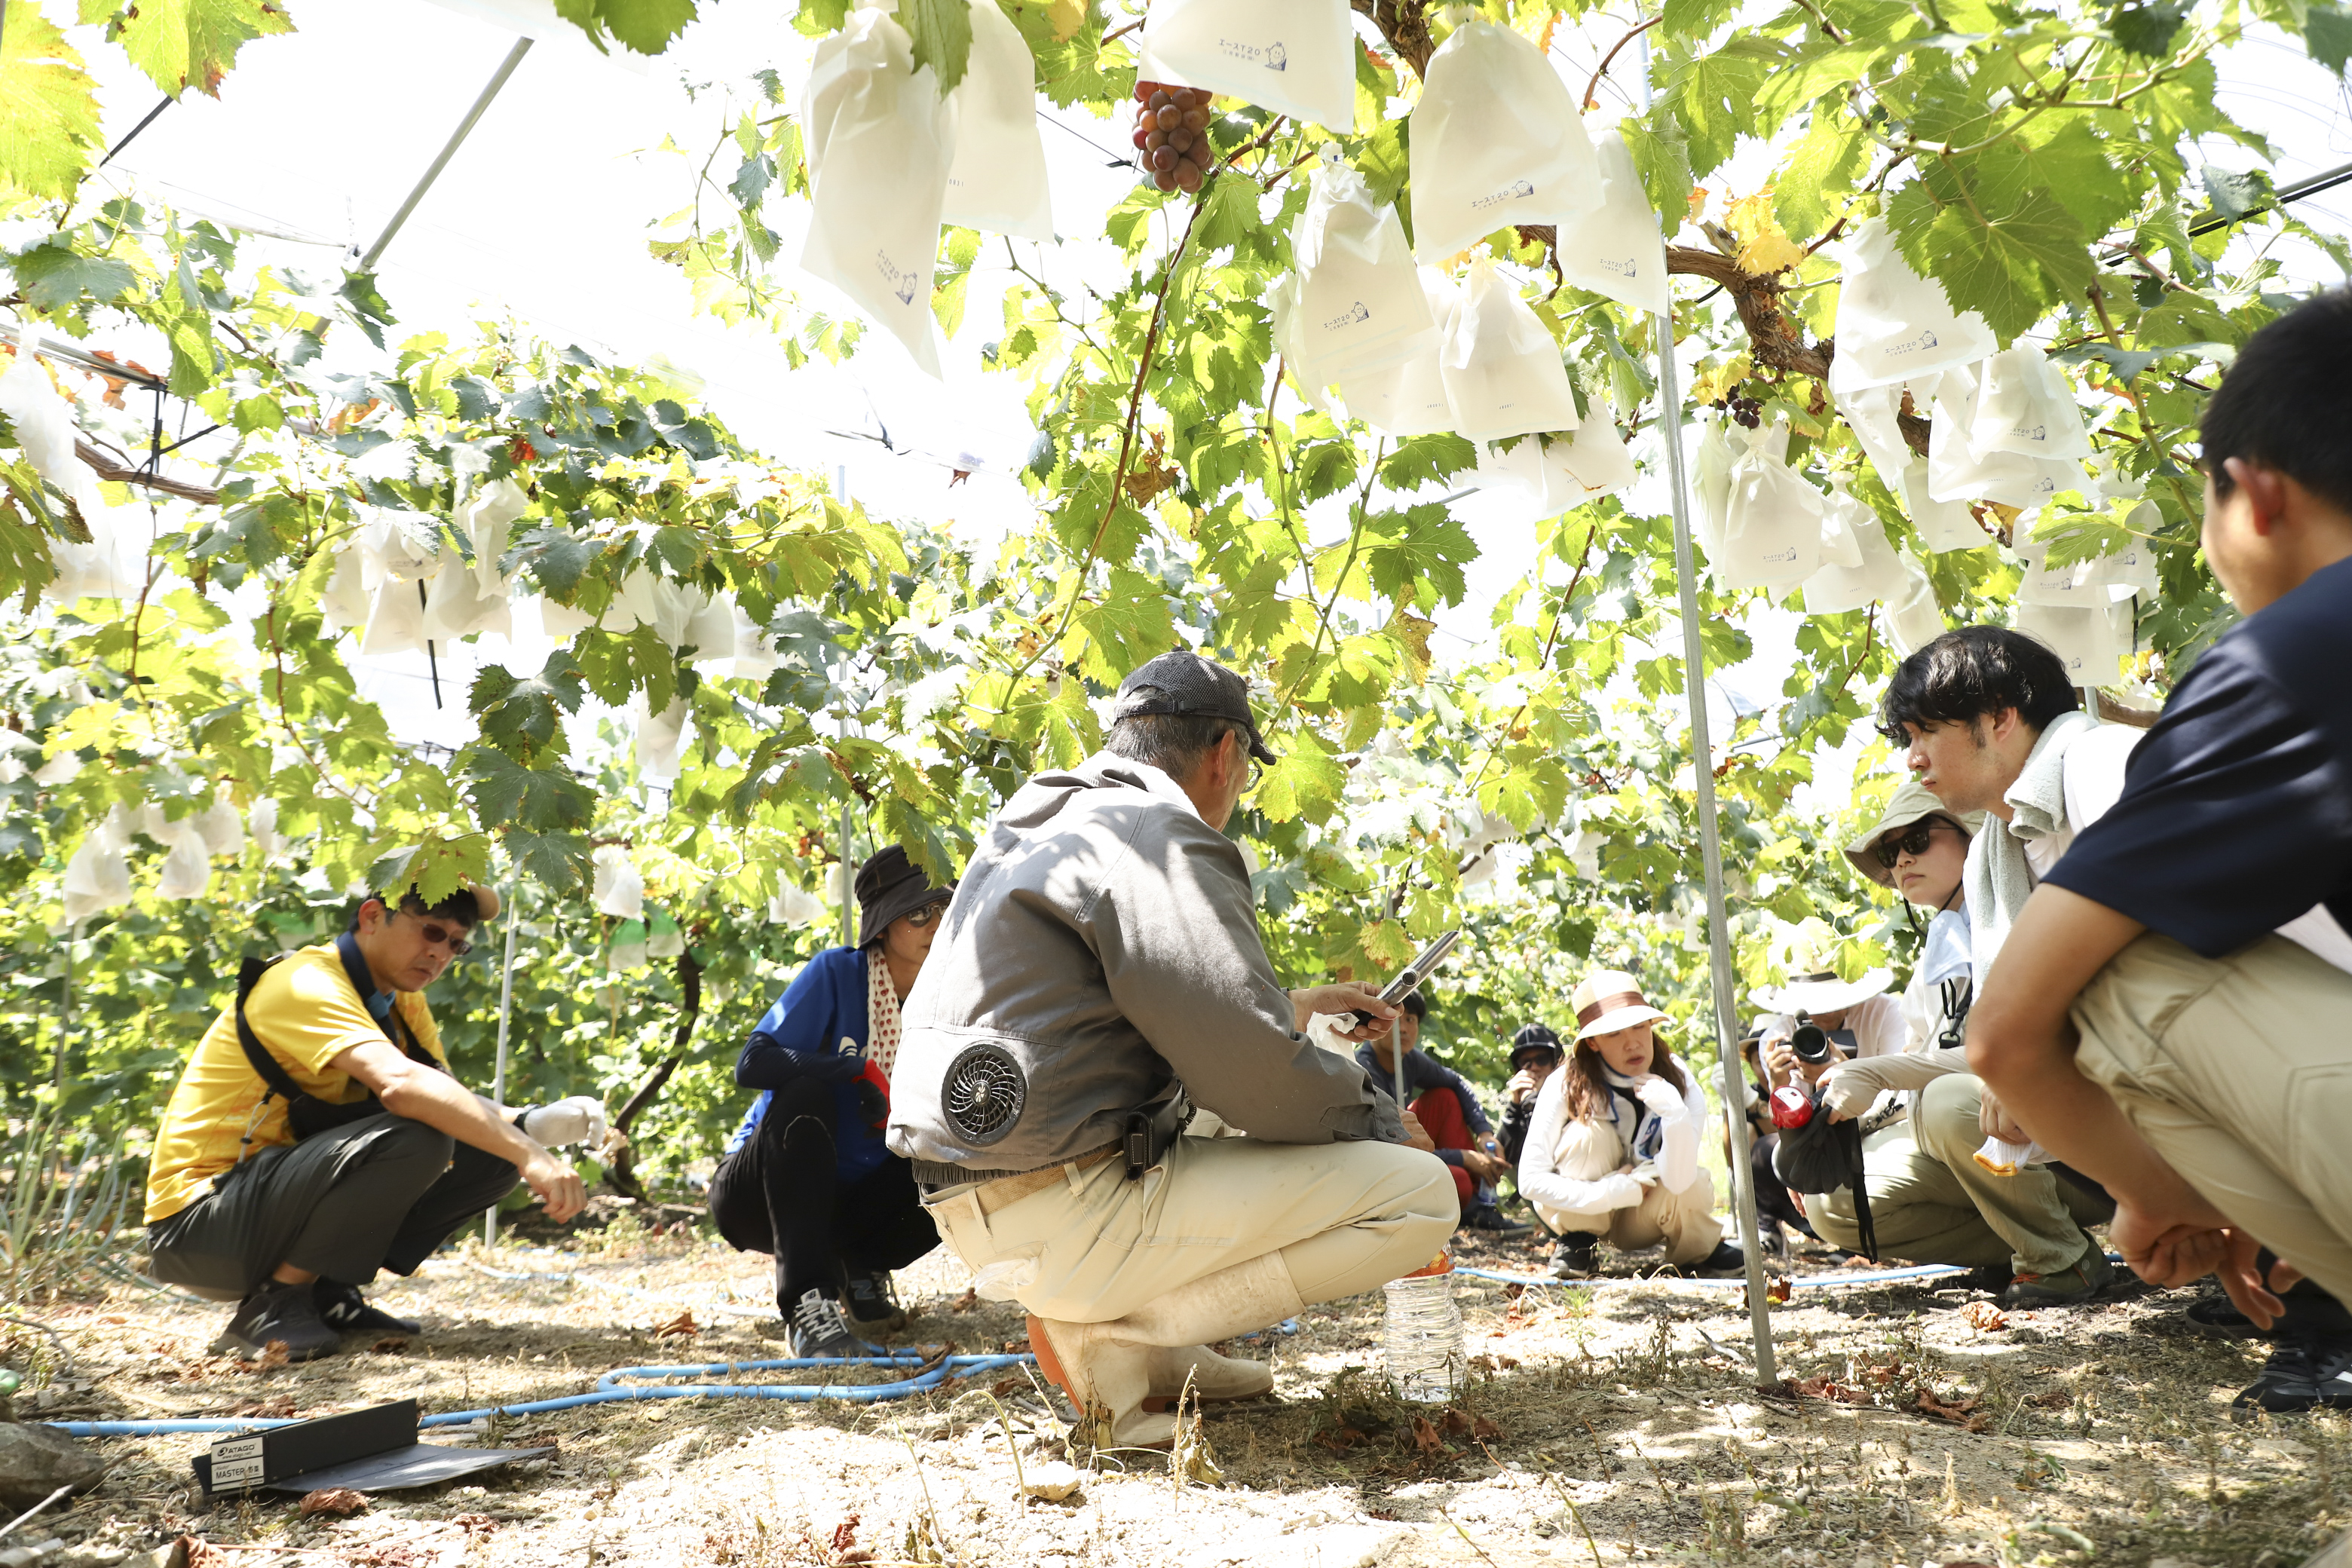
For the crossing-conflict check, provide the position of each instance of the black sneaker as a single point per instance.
(1991, 1279)
(1487, 1217)
(342, 1309)
(868, 1302)
(2218, 1318)
(278, 1314)
(1575, 1257)
(1725, 1261)
(2302, 1375)
(2070, 1288)
(819, 1332)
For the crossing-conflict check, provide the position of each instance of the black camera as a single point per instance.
(1811, 1045)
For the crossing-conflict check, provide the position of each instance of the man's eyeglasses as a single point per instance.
(1913, 841)
(438, 935)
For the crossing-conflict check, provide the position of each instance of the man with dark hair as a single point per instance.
(1098, 971)
(1447, 1109)
(317, 1135)
(2170, 1015)
(1989, 724)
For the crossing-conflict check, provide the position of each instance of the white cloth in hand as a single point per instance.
(578, 1120)
(1644, 1171)
(1661, 1097)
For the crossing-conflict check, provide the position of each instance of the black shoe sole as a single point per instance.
(237, 1345)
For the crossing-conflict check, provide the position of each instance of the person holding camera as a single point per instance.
(1099, 972)
(1931, 1198)
(318, 1134)
(2168, 1015)
(1442, 1102)
(1613, 1147)
(1536, 1055)
(806, 1177)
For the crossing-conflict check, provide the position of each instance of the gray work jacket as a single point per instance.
(1102, 946)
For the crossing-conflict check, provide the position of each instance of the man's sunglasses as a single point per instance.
(438, 935)
(1913, 841)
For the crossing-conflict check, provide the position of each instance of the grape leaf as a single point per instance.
(522, 715)
(942, 30)
(2147, 30)
(505, 792)
(2009, 268)
(53, 276)
(49, 110)
(2234, 195)
(1426, 459)
(182, 44)
(2327, 34)
(647, 27)
(555, 860)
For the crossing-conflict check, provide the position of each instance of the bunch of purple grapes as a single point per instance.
(1745, 412)
(1172, 135)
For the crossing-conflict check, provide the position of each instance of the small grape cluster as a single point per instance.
(1172, 135)
(1745, 412)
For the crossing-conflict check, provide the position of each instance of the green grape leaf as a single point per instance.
(942, 30)
(53, 276)
(647, 27)
(2147, 30)
(182, 44)
(506, 793)
(1426, 460)
(557, 861)
(2327, 34)
(2234, 195)
(48, 108)
(522, 715)
(2009, 267)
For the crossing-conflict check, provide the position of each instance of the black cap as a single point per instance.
(888, 886)
(1533, 1038)
(1184, 682)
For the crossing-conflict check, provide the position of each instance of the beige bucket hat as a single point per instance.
(1611, 1000)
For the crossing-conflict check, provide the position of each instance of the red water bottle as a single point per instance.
(1791, 1108)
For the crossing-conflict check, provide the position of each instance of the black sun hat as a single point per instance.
(1533, 1038)
(889, 886)
(1184, 683)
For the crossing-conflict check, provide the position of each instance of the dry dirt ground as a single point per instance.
(1601, 1424)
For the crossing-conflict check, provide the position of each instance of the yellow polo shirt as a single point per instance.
(305, 1014)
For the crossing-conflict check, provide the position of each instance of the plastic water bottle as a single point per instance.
(1422, 1339)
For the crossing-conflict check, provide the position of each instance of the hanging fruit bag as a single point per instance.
(1497, 141)
(1293, 57)
(997, 181)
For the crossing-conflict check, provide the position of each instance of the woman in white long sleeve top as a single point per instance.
(1612, 1148)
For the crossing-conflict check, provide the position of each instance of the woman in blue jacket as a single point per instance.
(806, 1177)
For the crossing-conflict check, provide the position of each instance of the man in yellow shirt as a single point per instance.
(383, 1156)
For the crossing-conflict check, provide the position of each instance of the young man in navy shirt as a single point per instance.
(2170, 1014)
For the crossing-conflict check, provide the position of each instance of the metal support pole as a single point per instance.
(448, 150)
(1396, 1057)
(498, 1073)
(1718, 934)
(65, 1007)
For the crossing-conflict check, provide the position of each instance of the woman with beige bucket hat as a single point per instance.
(1612, 1148)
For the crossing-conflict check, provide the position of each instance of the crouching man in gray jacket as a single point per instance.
(1099, 963)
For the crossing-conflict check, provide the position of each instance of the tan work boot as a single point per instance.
(1215, 1379)
(1106, 1378)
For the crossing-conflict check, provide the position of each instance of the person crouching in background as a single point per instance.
(1612, 1148)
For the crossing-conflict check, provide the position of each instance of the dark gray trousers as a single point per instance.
(382, 1193)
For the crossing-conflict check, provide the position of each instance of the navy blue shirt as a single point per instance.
(2236, 814)
(821, 1014)
(1422, 1074)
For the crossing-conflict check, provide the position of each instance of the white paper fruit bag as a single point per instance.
(1914, 618)
(880, 142)
(1957, 471)
(1503, 374)
(1293, 57)
(1361, 304)
(1497, 141)
(1772, 522)
(1719, 450)
(1942, 524)
(997, 181)
(1892, 323)
(2024, 405)
(1858, 565)
(1409, 398)
(1615, 251)
(2090, 640)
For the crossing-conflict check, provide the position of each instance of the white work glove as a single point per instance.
(1646, 1172)
(579, 1120)
(1660, 1096)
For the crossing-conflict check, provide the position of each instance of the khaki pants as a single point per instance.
(1096, 1246)
(1930, 1202)
(1685, 1221)
(2239, 1072)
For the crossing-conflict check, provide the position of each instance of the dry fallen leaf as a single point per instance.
(681, 1327)
(338, 1502)
(1987, 1316)
(1960, 1413)
(1426, 1436)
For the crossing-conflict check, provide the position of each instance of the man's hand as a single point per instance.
(1847, 1099)
(1483, 1165)
(1416, 1135)
(556, 1185)
(1781, 1061)
(1523, 1084)
(1343, 998)
(1995, 1121)
(2177, 1247)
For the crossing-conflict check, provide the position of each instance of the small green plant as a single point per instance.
(66, 1195)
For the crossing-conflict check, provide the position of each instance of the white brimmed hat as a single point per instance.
(1814, 987)
(1611, 1000)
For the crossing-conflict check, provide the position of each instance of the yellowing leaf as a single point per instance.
(1765, 247)
(182, 44)
(1065, 17)
(49, 113)
(1697, 203)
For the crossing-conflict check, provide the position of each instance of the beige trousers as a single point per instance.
(1095, 1247)
(1930, 1202)
(2239, 1071)
(1685, 1221)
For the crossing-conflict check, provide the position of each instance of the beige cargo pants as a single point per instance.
(2239, 1071)
(1930, 1202)
(1095, 1247)
(1684, 1221)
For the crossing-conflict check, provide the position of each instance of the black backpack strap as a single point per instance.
(280, 1083)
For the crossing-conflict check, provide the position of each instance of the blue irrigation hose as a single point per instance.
(610, 1390)
(1811, 1282)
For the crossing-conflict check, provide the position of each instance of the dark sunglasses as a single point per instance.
(438, 935)
(1913, 841)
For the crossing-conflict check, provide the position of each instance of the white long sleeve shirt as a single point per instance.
(1549, 1187)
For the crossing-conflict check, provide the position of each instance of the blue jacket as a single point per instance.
(821, 1014)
